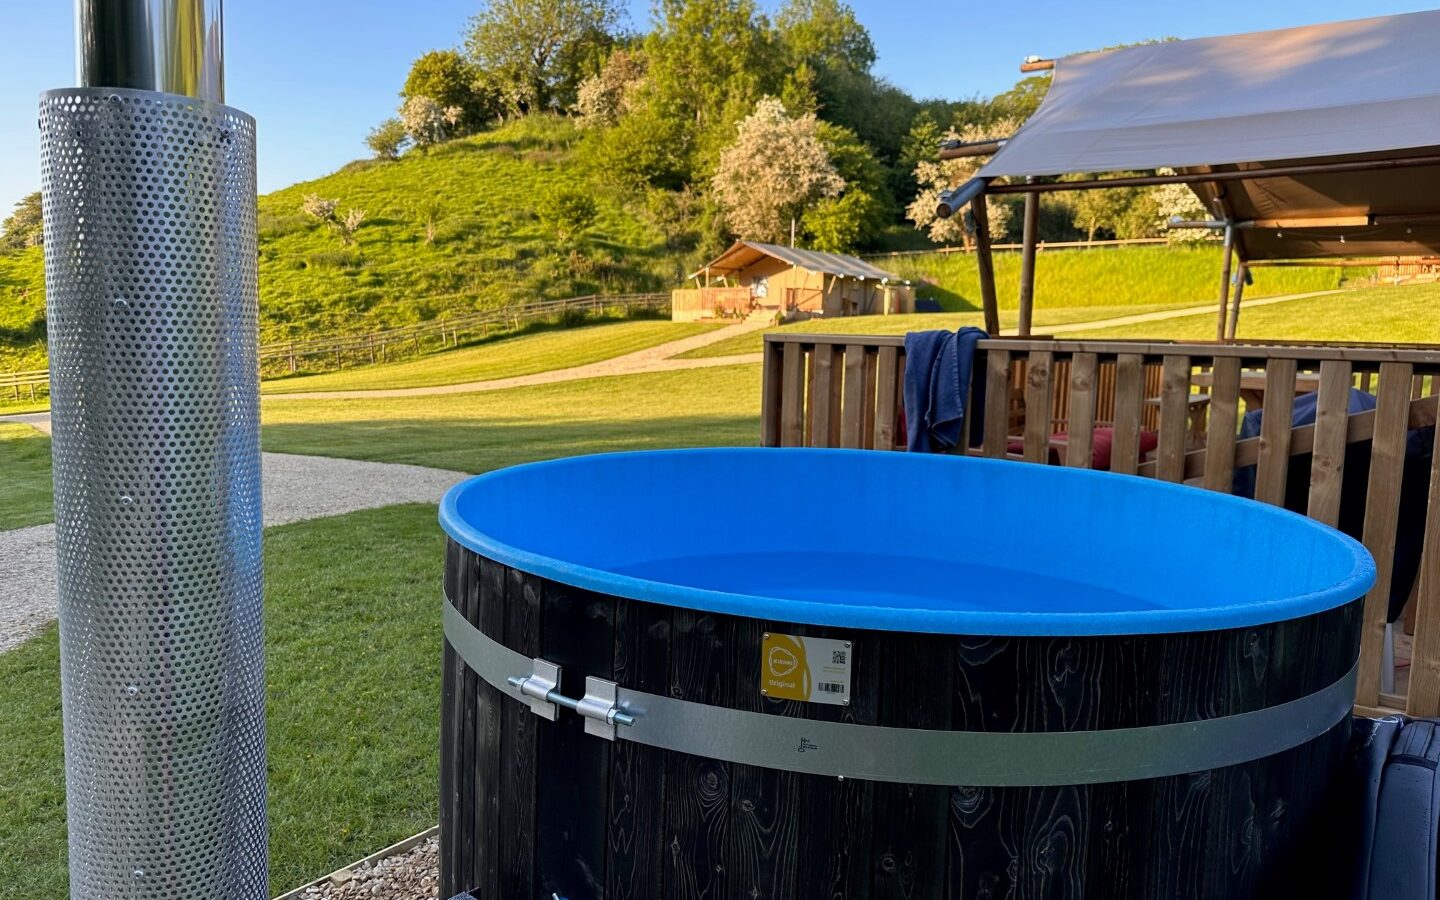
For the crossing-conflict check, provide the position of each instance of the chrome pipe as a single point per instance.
(169, 46)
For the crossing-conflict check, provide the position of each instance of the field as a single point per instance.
(1109, 276)
(478, 432)
(539, 350)
(1405, 314)
(25, 464)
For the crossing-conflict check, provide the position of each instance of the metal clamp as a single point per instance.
(538, 687)
(541, 690)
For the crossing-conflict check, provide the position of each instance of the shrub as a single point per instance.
(567, 212)
(387, 140)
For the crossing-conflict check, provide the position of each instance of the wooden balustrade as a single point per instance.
(1046, 401)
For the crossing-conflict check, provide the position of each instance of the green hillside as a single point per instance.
(1111, 276)
(490, 247)
(22, 310)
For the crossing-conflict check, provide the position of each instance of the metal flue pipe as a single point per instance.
(148, 187)
(170, 46)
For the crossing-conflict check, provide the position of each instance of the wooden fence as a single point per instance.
(332, 353)
(1046, 402)
(16, 385)
(1043, 245)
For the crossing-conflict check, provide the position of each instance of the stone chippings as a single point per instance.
(412, 875)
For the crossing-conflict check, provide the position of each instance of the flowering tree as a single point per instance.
(602, 99)
(1178, 201)
(935, 176)
(774, 169)
(425, 121)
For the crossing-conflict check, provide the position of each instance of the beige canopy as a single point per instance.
(1312, 145)
(1361, 90)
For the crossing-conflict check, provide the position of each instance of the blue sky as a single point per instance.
(317, 74)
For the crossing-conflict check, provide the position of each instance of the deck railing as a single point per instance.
(1046, 401)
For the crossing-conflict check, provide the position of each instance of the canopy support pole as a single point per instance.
(1027, 262)
(1240, 275)
(1225, 260)
(985, 264)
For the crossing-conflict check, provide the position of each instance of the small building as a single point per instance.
(754, 279)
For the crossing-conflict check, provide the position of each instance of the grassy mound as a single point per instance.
(478, 198)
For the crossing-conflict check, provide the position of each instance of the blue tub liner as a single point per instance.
(907, 542)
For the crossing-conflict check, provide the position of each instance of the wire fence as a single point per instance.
(330, 354)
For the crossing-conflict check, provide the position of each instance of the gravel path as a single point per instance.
(651, 359)
(412, 875)
(295, 488)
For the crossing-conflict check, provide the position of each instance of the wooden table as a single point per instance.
(1252, 385)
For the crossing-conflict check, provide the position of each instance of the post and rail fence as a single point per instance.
(1042, 245)
(327, 354)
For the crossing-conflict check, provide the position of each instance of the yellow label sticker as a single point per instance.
(813, 670)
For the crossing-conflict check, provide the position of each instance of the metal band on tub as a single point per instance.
(908, 755)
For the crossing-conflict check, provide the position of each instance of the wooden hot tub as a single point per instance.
(842, 674)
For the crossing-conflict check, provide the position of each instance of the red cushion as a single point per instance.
(1100, 445)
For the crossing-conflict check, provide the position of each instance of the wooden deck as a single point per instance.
(1045, 399)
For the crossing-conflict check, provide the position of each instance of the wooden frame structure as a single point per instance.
(845, 391)
(975, 191)
(1273, 153)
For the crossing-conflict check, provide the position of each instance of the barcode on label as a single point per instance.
(830, 687)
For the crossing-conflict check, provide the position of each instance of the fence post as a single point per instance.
(293, 367)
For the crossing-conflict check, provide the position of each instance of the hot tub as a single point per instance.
(832, 674)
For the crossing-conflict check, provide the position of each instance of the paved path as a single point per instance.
(1161, 316)
(651, 359)
(295, 488)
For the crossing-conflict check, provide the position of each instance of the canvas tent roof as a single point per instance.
(1367, 89)
(743, 254)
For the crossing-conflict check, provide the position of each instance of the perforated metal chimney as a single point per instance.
(150, 267)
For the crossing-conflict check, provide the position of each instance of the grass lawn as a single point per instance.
(1111, 276)
(505, 357)
(1405, 314)
(353, 635)
(753, 342)
(481, 431)
(25, 462)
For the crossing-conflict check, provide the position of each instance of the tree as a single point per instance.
(839, 224)
(451, 81)
(709, 62)
(1178, 201)
(603, 98)
(25, 227)
(426, 121)
(567, 212)
(774, 169)
(536, 51)
(825, 34)
(387, 139)
(935, 176)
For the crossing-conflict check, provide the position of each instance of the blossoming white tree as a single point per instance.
(776, 167)
(935, 176)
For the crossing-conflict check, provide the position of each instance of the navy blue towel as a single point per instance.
(938, 366)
